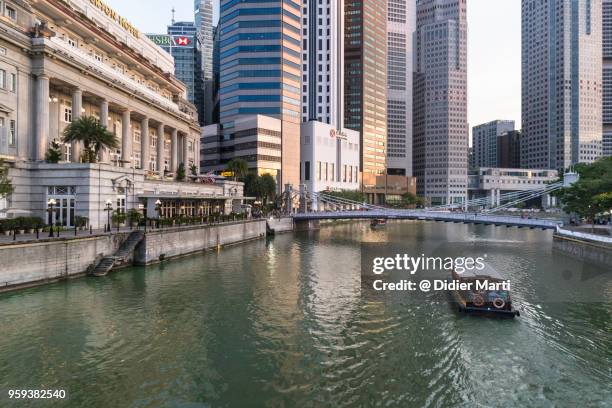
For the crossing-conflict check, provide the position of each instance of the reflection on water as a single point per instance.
(283, 323)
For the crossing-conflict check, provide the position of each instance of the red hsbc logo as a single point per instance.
(183, 41)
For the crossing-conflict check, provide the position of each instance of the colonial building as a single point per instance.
(63, 59)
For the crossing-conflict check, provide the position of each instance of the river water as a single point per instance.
(283, 322)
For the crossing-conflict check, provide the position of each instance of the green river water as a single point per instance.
(282, 322)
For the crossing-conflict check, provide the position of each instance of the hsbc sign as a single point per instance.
(182, 41)
(171, 40)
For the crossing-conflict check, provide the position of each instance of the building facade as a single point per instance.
(440, 101)
(203, 10)
(509, 150)
(65, 59)
(184, 44)
(607, 77)
(260, 74)
(484, 141)
(401, 24)
(330, 158)
(493, 182)
(365, 91)
(561, 82)
(322, 67)
(255, 139)
(206, 33)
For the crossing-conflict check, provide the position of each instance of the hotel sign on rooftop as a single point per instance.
(123, 22)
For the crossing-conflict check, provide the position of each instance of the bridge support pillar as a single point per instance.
(306, 225)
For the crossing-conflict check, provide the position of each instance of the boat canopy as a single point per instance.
(487, 273)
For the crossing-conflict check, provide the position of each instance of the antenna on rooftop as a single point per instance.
(173, 11)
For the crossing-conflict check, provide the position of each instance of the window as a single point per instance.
(136, 136)
(97, 56)
(1, 122)
(71, 42)
(137, 160)
(13, 83)
(68, 152)
(2, 79)
(11, 13)
(190, 146)
(307, 171)
(154, 141)
(67, 114)
(12, 133)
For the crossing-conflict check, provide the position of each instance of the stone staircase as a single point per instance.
(125, 250)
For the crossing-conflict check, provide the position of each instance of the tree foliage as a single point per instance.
(261, 187)
(592, 193)
(193, 169)
(54, 154)
(92, 134)
(239, 168)
(180, 172)
(6, 187)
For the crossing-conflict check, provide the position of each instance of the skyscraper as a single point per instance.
(322, 63)
(401, 23)
(260, 74)
(204, 23)
(607, 77)
(561, 82)
(440, 101)
(183, 42)
(365, 64)
(484, 141)
(509, 150)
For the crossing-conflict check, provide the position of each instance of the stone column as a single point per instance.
(126, 140)
(196, 146)
(174, 151)
(77, 106)
(498, 199)
(42, 117)
(161, 138)
(145, 150)
(105, 153)
(185, 153)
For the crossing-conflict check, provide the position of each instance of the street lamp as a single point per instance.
(50, 204)
(108, 209)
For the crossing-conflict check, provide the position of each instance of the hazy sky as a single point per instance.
(494, 50)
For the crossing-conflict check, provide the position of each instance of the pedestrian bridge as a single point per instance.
(466, 218)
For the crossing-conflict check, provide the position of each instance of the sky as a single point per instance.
(494, 50)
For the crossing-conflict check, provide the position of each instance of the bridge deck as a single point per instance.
(469, 218)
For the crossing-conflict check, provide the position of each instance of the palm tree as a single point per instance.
(92, 134)
(239, 168)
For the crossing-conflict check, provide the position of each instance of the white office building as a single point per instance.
(330, 158)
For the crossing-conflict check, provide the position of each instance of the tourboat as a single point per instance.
(482, 293)
(378, 222)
